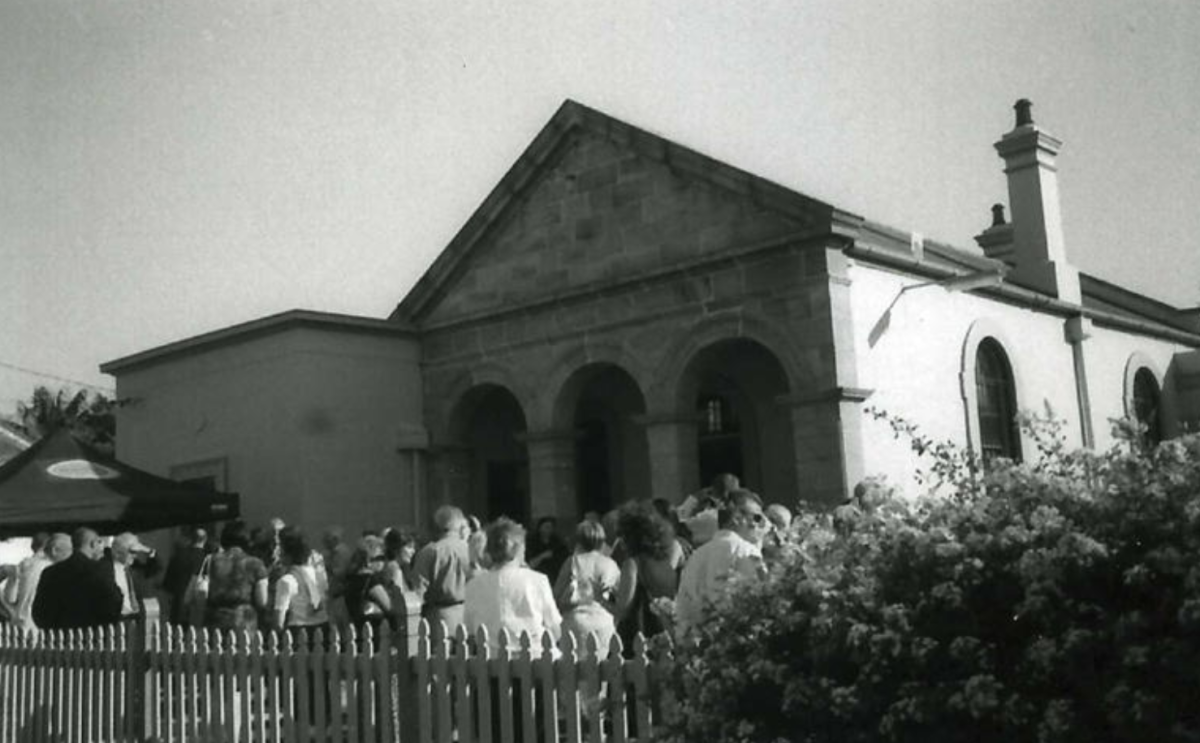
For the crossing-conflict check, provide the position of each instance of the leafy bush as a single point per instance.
(1052, 601)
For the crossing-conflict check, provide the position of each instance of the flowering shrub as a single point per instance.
(1055, 601)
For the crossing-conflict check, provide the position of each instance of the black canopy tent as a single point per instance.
(60, 483)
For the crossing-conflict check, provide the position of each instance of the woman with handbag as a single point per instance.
(236, 587)
(585, 589)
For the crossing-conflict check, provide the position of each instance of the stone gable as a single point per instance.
(597, 214)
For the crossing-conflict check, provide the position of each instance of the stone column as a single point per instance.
(674, 470)
(827, 435)
(552, 473)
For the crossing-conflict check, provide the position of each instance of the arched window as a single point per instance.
(996, 399)
(1147, 400)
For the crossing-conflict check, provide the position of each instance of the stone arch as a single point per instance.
(500, 375)
(726, 384)
(602, 406)
(664, 394)
(547, 411)
(981, 330)
(486, 468)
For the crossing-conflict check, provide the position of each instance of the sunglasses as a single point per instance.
(758, 518)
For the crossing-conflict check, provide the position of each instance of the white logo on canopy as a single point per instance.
(81, 469)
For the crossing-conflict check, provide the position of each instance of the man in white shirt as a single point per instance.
(735, 550)
(46, 550)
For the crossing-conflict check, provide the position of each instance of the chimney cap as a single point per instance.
(1024, 112)
(998, 215)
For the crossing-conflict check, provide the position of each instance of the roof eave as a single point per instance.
(254, 328)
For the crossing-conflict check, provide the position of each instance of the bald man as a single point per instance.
(117, 566)
(76, 592)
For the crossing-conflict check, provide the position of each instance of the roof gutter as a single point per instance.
(1025, 297)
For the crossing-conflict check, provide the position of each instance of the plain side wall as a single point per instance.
(304, 423)
(915, 365)
(916, 361)
(1108, 353)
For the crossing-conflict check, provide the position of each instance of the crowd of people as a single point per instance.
(647, 567)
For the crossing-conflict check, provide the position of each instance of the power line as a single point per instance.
(55, 377)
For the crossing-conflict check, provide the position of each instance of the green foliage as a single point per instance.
(91, 419)
(1056, 600)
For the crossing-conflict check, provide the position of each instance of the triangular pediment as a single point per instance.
(595, 202)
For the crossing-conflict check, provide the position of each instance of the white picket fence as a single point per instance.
(123, 683)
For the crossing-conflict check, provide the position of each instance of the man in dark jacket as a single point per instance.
(128, 564)
(76, 592)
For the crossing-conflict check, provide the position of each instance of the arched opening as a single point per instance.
(601, 404)
(491, 425)
(1147, 405)
(733, 388)
(996, 400)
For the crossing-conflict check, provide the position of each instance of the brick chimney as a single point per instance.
(1034, 244)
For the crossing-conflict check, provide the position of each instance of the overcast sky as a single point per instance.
(169, 167)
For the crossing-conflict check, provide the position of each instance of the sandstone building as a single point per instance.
(623, 316)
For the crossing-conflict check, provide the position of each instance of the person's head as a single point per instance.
(449, 521)
(400, 545)
(293, 547)
(474, 525)
(123, 547)
(593, 516)
(505, 542)
(724, 484)
(367, 556)
(780, 516)
(38, 542)
(743, 514)
(58, 547)
(547, 528)
(277, 524)
(643, 531)
(332, 537)
(262, 543)
(87, 542)
(589, 536)
(235, 534)
(611, 522)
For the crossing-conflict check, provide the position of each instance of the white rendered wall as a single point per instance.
(1108, 355)
(304, 422)
(915, 364)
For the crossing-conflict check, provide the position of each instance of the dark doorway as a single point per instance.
(506, 492)
(734, 389)
(601, 405)
(592, 467)
(492, 426)
(719, 437)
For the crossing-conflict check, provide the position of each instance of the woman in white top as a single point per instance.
(586, 589)
(301, 594)
(509, 595)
